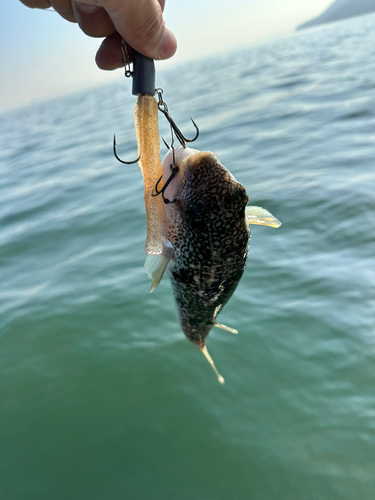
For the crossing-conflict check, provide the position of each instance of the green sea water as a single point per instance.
(101, 395)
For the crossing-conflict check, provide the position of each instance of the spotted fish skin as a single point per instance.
(210, 237)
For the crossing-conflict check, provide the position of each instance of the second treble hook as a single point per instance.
(162, 105)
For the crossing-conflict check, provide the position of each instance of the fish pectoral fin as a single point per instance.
(155, 266)
(225, 327)
(261, 217)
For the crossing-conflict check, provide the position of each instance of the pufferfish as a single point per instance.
(204, 225)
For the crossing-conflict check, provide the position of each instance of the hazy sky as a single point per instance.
(42, 55)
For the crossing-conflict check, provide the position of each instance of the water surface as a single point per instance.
(102, 397)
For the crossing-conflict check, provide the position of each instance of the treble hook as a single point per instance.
(175, 169)
(119, 159)
(162, 106)
(182, 139)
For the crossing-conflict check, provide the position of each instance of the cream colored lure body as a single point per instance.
(147, 130)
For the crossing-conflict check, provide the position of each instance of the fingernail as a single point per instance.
(168, 44)
(87, 8)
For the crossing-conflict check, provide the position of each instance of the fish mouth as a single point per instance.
(177, 156)
(182, 158)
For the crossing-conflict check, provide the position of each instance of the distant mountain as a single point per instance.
(341, 9)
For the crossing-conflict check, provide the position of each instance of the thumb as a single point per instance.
(141, 24)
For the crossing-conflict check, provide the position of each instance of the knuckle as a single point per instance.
(149, 30)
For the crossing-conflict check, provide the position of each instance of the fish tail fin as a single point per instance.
(210, 360)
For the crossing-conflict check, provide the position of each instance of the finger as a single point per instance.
(64, 8)
(93, 20)
(109, 55)
(162, 4)
(141, 24)
(36, 4)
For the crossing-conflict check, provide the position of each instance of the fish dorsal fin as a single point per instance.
(261, 217)
(155, 266)
(210, 360)
(225, 327)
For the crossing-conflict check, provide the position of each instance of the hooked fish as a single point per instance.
(204, 224)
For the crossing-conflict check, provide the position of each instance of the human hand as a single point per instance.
(139, 22)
